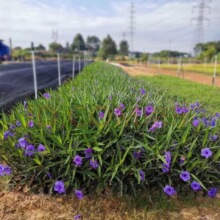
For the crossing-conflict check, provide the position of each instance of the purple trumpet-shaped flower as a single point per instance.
(206, 152)
(5, 170)
(101, 114)
(149, 109)
(8, 134)
(213, 138)
(18, 123)
(169, 190)
(30, 150)
(41, 148)
(166, 168)
(30, 124)
(122, 106)
(22, 142)
(46, 95)
(138, 112)
(137, 154)
(142, 175)
(93, 164)
(79, 194)
(178, 110)
(77, 217)
(78, 160)
(59, 187)
(117, 112)
(88, 153)
(156, 125)
(212, 192)
(142, 91)
(196, 122)
(195, 186)
(185, 176)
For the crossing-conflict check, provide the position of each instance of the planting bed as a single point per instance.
(108, 131)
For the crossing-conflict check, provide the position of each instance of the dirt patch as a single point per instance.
(20, 206)
(145, 70)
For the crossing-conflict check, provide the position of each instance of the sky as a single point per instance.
(159, 24)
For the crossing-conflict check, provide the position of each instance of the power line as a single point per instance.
(132, 26)
(200, 21)
(55, 36)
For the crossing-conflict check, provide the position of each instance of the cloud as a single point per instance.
(157, 23)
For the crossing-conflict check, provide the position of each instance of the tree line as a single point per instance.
(104, 48)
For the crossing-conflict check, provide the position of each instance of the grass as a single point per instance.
(180, 89)
(199, 68)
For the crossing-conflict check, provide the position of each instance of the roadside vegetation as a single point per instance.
(184, 90)
(108, 133)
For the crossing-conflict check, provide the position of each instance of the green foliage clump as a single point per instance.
(103, 110)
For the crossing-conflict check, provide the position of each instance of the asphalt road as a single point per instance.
(16, 80)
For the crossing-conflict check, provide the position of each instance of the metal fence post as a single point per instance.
(73, 73)
(34, 73)
(58, 66)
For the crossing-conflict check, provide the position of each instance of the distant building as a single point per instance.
(4, 51)
(135, 54)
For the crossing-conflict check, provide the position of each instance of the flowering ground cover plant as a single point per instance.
(106, 129)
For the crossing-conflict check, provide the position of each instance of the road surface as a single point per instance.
(16, 80)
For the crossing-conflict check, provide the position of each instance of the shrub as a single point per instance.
(108, 129)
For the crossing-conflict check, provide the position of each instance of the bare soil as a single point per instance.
(145, 70)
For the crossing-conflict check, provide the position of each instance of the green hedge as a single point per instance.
(104, 111)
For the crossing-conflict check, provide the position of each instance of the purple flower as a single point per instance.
(185, 110)
(8, 134)
(77, 160)
(206, 152)
(77, 217)
(30, 124)
(122, 106)
(213, 138)
(169, 190)
(182, 160)
(142, 91)
(48, 127)
(7, 170)
(79, 194)
(29, 151)
(217, 115)
(93, 163)
(12, 127)
(117, 112)
(179, 110)
(166, 168)
(168, 157)
(196, 122)
(195, 186)
(213, 122)
(41, 148)
(88, 152)
(185, 176)
(149, 109)
(2, 172)
(142, 175)
(137, 154)
(18, 123)
(138, 112)
(156, 125)
(22, 142)
(212, 192)
(59, 187)
(49, 175)
(192, 106)
(101, 115)
(46, 95)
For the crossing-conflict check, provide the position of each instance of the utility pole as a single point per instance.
(10, 44)
(132, 26)
(202, 8)
(55, 36)
(34, 70)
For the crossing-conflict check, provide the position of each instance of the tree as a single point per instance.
(124, 47)
(78, 43)
(40, 47)
(108, 47)
(93, 43)
(55, 46)
(144, 57)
